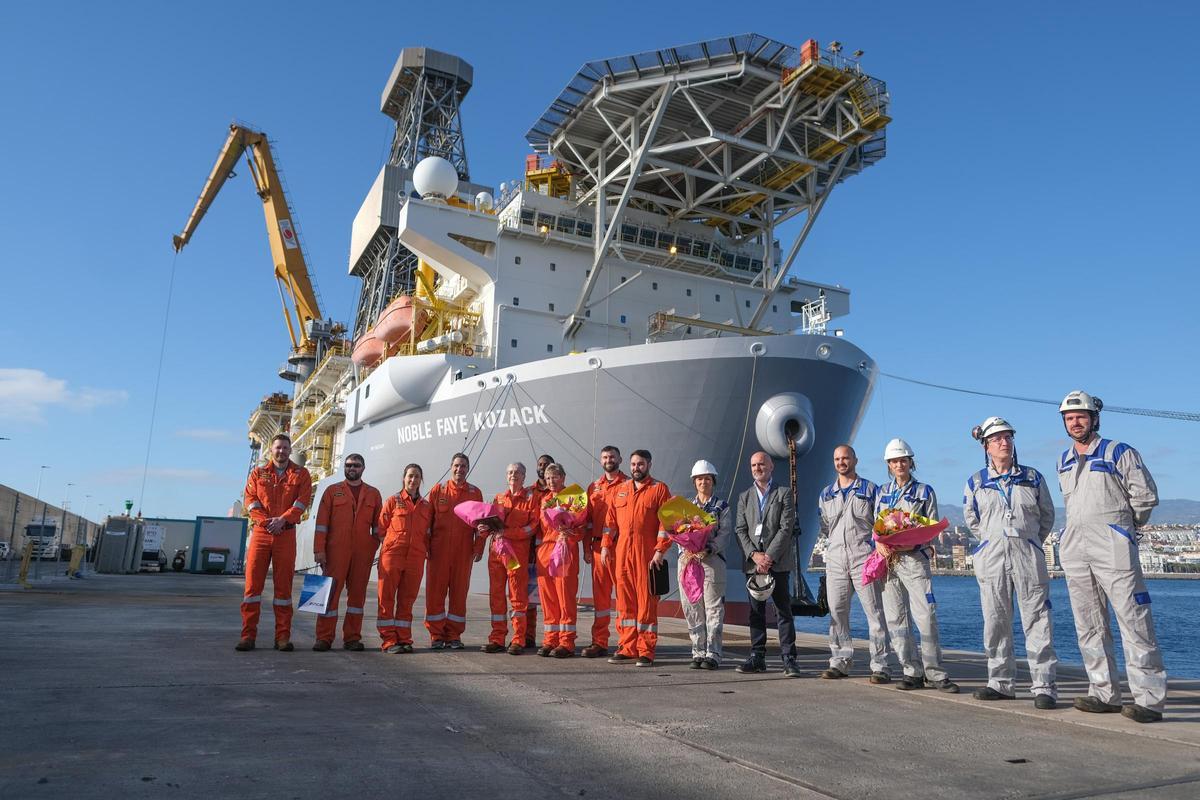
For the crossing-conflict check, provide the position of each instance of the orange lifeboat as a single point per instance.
(399, 319)
(368, 350)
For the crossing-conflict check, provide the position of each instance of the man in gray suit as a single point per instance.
(766, 518)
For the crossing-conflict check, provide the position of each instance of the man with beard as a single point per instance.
(452, 550)
(599, 493)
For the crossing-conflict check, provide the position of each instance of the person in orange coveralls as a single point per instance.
(641, 543)
(344, 545)
(559, 607)
(406, 522)
(538, 487)
(521, 511)
(451, 552)
(277, 495)
(602, 574)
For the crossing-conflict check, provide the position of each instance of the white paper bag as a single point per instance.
(314, 594)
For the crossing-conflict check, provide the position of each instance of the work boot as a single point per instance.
(406, 647)
(619, 658)
(945, 685)
(594, 651)
(790, 667)
(455, 644)
(492, 647)
(710, 663)
(1140, 713)
(909, 682)
(1094, 705)
(833, 674)
(515, 649)
(1044, 702)
(355, 646)
(322, 646)
(696, 662)
(879, 678)
(437, 644)
(988, 693)
(530, 642)
(284, 645)
(545, 650)
(244, 645)
(394, 649)
(563, 652)
(644, 662)
(755, 663)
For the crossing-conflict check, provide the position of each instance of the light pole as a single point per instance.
(62, 529)
(37, 495)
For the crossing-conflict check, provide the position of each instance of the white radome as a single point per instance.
(434, 176)
(484, 201)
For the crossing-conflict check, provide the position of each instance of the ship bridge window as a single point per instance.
(545, 222)
(583, 229)
(647, 237)
(700, 249)
(742, 262)
(756, 265)
(527, 216)
(683, 245)
(726, 259)
(666, 241)
(629, 233)
(565, 225)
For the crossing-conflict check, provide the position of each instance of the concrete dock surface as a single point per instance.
(129, 686)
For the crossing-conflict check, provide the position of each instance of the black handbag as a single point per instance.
(660, 579)
(822, 598)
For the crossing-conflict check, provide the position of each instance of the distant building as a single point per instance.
(958, 555)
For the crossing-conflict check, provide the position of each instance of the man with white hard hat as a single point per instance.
(1009, 509)
(706, 617)
(847, 512)
(1108, 493)
(908, 592)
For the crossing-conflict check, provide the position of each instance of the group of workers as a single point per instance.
(1106, 487)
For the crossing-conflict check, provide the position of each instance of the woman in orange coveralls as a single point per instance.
(559, 607)
(405, 520)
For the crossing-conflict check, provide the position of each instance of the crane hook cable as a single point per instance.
(1185, 416)
(162, 349)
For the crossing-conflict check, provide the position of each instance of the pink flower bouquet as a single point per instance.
(566, 512)
(690, 527)
(893, 529)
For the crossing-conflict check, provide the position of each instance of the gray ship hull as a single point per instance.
(682, 401)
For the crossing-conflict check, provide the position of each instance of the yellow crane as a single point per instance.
(291, 271)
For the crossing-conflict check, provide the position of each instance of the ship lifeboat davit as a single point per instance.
(368, 350)
(399, 319)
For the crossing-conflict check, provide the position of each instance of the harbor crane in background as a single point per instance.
(312, 337)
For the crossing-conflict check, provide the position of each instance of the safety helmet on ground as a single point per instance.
(990, 427)
(1080, 401)
(760, 585)
(897, 448)
(703, 467)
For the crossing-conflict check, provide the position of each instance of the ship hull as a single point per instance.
(682, 401)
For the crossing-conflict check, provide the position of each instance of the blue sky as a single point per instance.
(1025, 235)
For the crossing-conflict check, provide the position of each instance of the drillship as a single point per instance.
(629, 289)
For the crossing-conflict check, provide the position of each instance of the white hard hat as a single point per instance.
(897, 448)
(760, 585)
(1080, 401)
(703, 467)
(990, 427)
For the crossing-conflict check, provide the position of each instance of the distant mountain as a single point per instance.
(1169, 512)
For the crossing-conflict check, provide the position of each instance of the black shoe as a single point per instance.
(284, 646)
(710, 663)
(515, 649)
(406, 647)
(394, 649)
(754, 663)
(879, 678)
(791, 668)
(945, 685)
(988, 693)
(644, 662)
(833, 674)
(244, 645)
(322, 646)
(1094, 705)
(619, 658)
(594, 651)
(563, 652)
(492, 647)
(909, 682)
(356, 646)
(437, 644)
(1140, 713)
(696, 662)
(454, 644)
(1045, 702)
(545, 650)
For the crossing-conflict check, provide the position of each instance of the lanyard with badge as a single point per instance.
(762, 507)
(1004, 485)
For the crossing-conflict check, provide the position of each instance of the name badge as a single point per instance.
(758, 533)
(1011, 532)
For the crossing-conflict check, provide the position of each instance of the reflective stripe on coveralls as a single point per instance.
(559, 594)
(344, 529)
(451, 557)
(633, 517)
(603, 577)
(272, 494)
(509, 592)
(405, 524)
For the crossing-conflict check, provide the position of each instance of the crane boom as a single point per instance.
(291, 271)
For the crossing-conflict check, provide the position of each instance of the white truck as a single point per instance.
(153, 557)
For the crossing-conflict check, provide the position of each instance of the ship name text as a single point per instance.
(462, 424)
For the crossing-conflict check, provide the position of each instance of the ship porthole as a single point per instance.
(758, 349)
(824, 351)
(594, 362)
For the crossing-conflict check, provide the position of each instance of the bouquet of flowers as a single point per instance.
(565, 512)
(474, 512)
(895, 528)
(690, 527)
